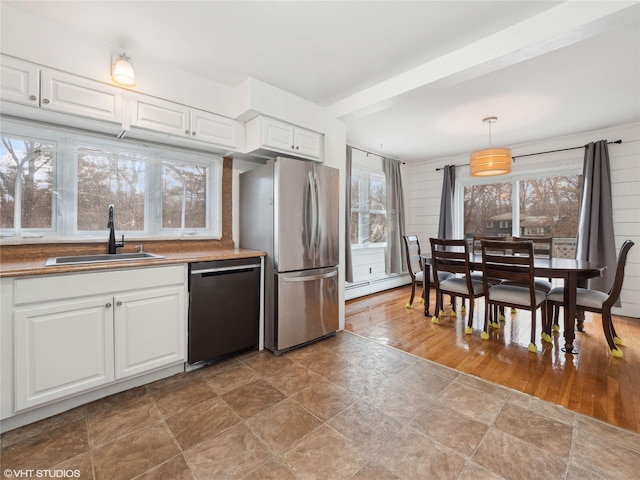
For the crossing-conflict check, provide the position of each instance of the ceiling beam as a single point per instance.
(558, 27)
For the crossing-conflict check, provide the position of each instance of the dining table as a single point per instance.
(574, 273)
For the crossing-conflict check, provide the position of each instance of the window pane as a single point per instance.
(487, 210)
(106, 178)
(36, 186)
(354, 228)
(377, 193)
(188, 182)
(377, 228)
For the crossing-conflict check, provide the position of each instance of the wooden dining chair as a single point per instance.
(477, 250)
(513, 262)
(597, 302)
(452, 257)
(542, 248)
(414, 265)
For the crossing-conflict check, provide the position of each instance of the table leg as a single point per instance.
(580, 314)
(570, 286)
(426, 286)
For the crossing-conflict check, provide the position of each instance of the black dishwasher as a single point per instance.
(224, 307)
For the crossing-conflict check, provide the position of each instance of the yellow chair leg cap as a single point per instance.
(618, 341)
(435, 319)
(514, 310)
(556, 328)
(463, 309)
(421, 300)
(495, 324)
(616, 352)
(468, 330)
(546, 337)
(441, 313)
(484, 336)
(532, 348)
(408, 305)
(501, 318)
(453, 314)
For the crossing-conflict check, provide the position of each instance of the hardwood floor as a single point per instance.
(592, 382)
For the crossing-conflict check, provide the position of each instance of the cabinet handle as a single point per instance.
(119, 303)
(193, 134)
(298, 148)
(187, 132)
(45, 100)
(293, 147)
(33, 98)
(108, 305)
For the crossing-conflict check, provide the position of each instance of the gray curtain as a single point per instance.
(395, 261)
(596, 242)
(445, 227)
(348, 262)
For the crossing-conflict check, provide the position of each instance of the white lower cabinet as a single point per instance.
(70, 338)
(62, 349)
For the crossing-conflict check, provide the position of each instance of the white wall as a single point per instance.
(424, 188)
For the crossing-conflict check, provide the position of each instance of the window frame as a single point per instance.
(64, 208)
(365, 174)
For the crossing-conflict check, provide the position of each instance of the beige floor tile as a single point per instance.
(609, 459)
(547, 409)
(252, 398)
(115, 399)
(223, 378)
(365, 426)
(47, 448)
(202, 421)
(449, 427)
(474, 403)
(425, 379)
(412, 455)
(473, 471)
(122, 418)
(134, 453)
(267, 362)
(183, 398)
(274, 469)
(373, 470)
(399, 400)
(324, 399)
(230, 455)
(292, 378)
(324, 454)
(80, 465)
(510, 457)
(536, 429)
(175, 468)
(596, 428)
(282, 424)
(20, 434)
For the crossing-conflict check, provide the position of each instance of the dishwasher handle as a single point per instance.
(225, 269)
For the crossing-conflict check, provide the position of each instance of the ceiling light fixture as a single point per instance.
(490, 161)
(122, 71)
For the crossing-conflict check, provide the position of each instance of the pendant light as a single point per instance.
(122, 71)
(490, 161)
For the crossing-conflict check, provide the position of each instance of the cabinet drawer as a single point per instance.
(72, 285)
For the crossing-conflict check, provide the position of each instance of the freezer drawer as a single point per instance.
(307, 306)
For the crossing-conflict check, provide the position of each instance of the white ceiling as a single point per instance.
(414, 79)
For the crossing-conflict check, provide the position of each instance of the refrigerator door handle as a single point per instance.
(319, 217)
(311, 277)
(314, 215)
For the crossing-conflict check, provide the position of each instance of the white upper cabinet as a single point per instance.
(19, 81)
(157, 115)
(268, 134)
(67, 93)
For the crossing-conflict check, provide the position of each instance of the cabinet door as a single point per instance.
(149, 330)
(160, 116)
(307, 143)
(67, 93)
(19, 81)
(211, 128)
(62, 349)
(278, 135)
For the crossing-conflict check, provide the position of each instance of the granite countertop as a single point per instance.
(26, 267)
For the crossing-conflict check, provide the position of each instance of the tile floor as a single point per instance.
(343, 408)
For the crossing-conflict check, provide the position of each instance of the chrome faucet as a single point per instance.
(112, 234)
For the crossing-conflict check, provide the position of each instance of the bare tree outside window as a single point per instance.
(190, 182)
(368, 208)
(107, 178)
(36, 183)
(485, 207)
(377, 210)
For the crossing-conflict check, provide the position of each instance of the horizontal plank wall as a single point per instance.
(423, 189)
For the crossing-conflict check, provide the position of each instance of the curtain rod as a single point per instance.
(376, 154)
(540, 153)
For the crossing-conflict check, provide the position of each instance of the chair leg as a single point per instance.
(468, 329)
(436, 313)
(485, 332)
(413, 293)
(547, 309)
(607, 326)
(532, 346)
(453, 306)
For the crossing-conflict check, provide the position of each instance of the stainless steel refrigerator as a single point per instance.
(289, 209)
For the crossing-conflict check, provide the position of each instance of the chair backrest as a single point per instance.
(614, 292)
(542, 246)
(477, 242)
(412, 251)
(449, 256)
(511, 261)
